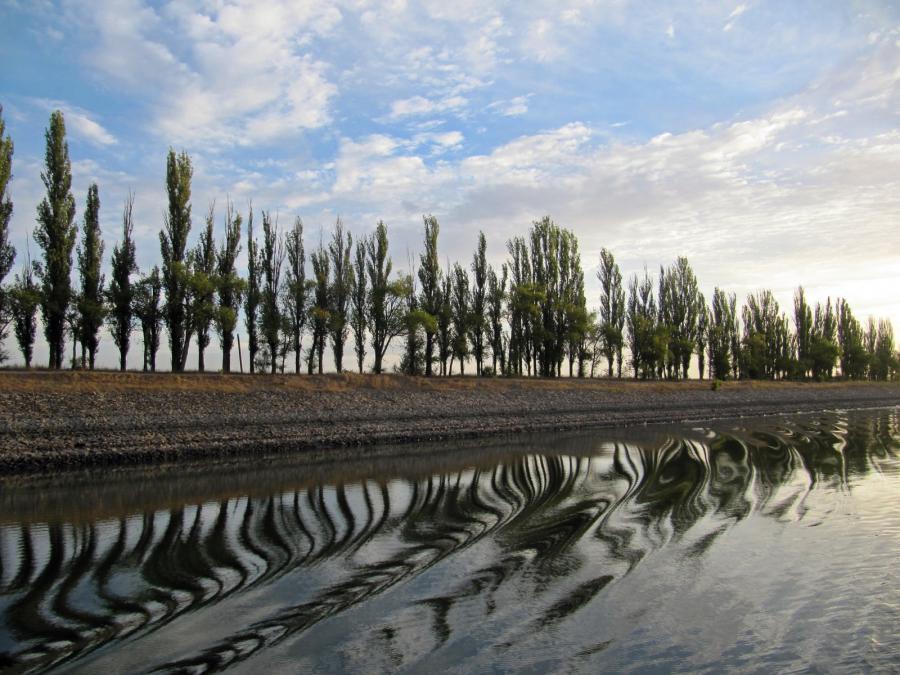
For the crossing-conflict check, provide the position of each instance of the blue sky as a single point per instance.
(760, 139)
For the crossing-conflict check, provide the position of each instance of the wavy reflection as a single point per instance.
(560, 524)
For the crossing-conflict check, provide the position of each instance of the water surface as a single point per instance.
(759, 545)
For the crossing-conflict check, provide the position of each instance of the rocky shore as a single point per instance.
(54, 420)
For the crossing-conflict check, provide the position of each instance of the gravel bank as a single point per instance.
(53, 420)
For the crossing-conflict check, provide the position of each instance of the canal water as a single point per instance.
(759, 545)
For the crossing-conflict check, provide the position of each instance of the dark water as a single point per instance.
(766, 545)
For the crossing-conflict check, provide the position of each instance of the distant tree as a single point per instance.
(477, 317)
(147, 301)
(445, 321)
(417, 322)
(272, 259)
(321, 309)
(702, 333)
(55, 234)
(339, 291)
(90, 298)
(229, 286)
(641, 321)
(851, 342)
(765, 352)
(173, 247)
(25, 298)
(359, 303)
(803, 326)
(823, 348)
(203, 287)
(251, 305)
(682, 311)
(7, 252)
(430, 278)
(496, 295)
(386, 297)
(612, 310)
(120, 294)
(884, 358)
(461, 302)
(296, 296)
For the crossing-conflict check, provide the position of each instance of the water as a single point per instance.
(764, 545)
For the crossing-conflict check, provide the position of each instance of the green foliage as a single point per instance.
(387, 312)
(272, 258)
(55, 235)
(496, 295)
(640, 318)
(321, 310)
(203, 287)
(120, 294)
(148, 310)
(251, 305)
(477, 323)
(339, 291)
(612, 311)
(460, 302)
(230, 288)
(359, 303)
(7, 252)
(429, 274)
(716, 384)
(173, 248)
(25, 298)
(296, 298)
(90, 300)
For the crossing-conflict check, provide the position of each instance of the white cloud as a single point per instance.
(79, 122)
(419, 105)
(513, 107)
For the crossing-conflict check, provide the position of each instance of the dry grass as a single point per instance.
(106, 381)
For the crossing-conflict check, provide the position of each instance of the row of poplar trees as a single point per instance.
(527, 317)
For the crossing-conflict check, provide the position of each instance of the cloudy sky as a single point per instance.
(760, 139)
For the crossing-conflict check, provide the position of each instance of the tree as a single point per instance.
(203, 287)
(430, 277)
(386, 297)
(90, 299)
(721, 330)
(55, 234)
(702, 333)
(641, 321)
(680, 309)
(339, 291)
(884, 357)
(477, 317)
(296, 299)
(120, 294)
(803, 325)
(25, 298)
(251, 306)
(359, 303)
(272, 259)
(851, 342)
(7, 252)
(445, 321)
(229, 285)
(147, 299)
(612, 310)
(461, 301)
(496, 294)
(173, 247)
(321, 309)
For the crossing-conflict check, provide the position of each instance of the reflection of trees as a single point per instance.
(70, 589)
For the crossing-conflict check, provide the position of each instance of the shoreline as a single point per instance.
(57, 420)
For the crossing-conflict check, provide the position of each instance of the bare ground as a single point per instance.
(52, 420)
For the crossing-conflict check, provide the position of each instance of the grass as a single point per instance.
(99, 381)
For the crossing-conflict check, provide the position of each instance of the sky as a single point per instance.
(759, 139)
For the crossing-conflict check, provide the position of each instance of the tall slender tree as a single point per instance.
(173, 247)
(359, 303)
(430, 278)
(461, 303)
(251, 306)
(25, 298)
(642, 329)
(722, 334)
(203, 287)
(147, 308)
(612, 310)
(496, 295)
(90, 298)
(7, 252)
(386, 305)
(339, 290)
(477, 316)
(445, 320)
(230, 287)
(321, 310)
(272, 260)
(120, 294)
(55, 234)
(296, 296)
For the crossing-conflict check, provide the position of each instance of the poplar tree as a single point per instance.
(803, 325)
(612, 310)
(477, 319)
(173, 247)
(430, 277)
(121, 291)
(445, 321)
(90, 299)
(272, 259)
(148, 310)
(251, 306)
(229, 285)
(55, 234)
(24, 300)
(359, 303)
(296, 289)
(339, 291)
(386, 306)
(721, 334)
(321, 310)
(496, 295)
(461, 301)
(642, 330)
(7, 252)
(702, 333)
(203, 287)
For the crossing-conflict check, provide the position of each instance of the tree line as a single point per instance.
(528, 317)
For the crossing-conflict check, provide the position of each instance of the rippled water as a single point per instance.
(762, 545)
